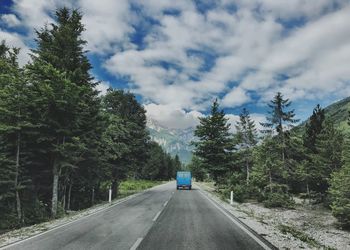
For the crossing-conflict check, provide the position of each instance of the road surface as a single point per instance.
(161, 218)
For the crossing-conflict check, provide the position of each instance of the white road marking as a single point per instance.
(157, 215)
(136, 244)
(262, 244)
(165, 203)
(83, 217)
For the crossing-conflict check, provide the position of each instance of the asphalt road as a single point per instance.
(161, 218)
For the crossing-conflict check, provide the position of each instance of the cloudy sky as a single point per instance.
(178, 56)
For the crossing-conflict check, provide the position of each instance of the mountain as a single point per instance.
(337, 112)
(174, 141)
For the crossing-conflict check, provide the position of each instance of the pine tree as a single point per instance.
(313, 128)
(124, 105)
(195, 166)
(214, 146)
(327, 159)
(55, 112)
(61, 45)
(307, 169)
(279, 122)
(14, 123)
(246, 138)
(340, 188)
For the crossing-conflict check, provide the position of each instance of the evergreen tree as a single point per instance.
(133, 117)
(246, 138)
(62, 47)
(307, 170)
(55, 113)
(327, 159)
(340, 189)
(14, 123)
(313, 128)
(195, 166)
(214, 146)
(279, 122)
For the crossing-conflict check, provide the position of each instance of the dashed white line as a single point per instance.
(136, 244)
(165, 203)
(157, 215)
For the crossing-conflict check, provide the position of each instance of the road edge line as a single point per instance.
(118, 202)
(254, 235)
(136, 244)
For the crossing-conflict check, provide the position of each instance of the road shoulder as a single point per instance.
(271, 234)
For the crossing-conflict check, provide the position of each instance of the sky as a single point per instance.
(178, 56)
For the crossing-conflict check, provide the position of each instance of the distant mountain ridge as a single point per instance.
(337, 112)
(174, 141)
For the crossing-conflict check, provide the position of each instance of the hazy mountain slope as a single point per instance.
(174, 141)
(338, 112)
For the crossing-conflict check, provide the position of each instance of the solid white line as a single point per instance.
(262, 244)
(157, 215)
(165, 203)
(136, 244)
(81, 218)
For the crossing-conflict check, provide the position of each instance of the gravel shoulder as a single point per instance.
(304, 227)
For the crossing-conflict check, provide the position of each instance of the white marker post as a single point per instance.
(231, 199)
(110, 196)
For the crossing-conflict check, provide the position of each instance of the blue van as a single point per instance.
(183, 179)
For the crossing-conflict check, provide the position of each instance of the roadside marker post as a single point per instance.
(110, 196)
(231, 199)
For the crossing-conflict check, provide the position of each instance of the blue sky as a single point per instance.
(178, 56)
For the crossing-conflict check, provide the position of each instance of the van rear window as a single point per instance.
(184, 175)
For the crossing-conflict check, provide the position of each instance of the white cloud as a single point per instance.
(172, 117)
(10, 20)
(236, 97)
(108, 24)
(102, 87)
(13, 39)
(298, 47)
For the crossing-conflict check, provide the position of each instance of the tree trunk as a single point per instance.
(308, 190)
(69, 195)
(18, 200)
(54, 191)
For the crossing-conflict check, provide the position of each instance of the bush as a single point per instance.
(278, 200)
(276, 195)
(340, 195)
(240, 193)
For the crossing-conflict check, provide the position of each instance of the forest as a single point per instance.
(62, 144)
(284, 159)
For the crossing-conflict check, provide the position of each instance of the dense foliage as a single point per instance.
(62, 145)
(214, 145)
(311, 160)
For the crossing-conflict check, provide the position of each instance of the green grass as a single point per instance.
(129, 187)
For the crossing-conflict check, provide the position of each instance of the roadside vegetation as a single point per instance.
(62, 144)
(283, 160)
(128, 187)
